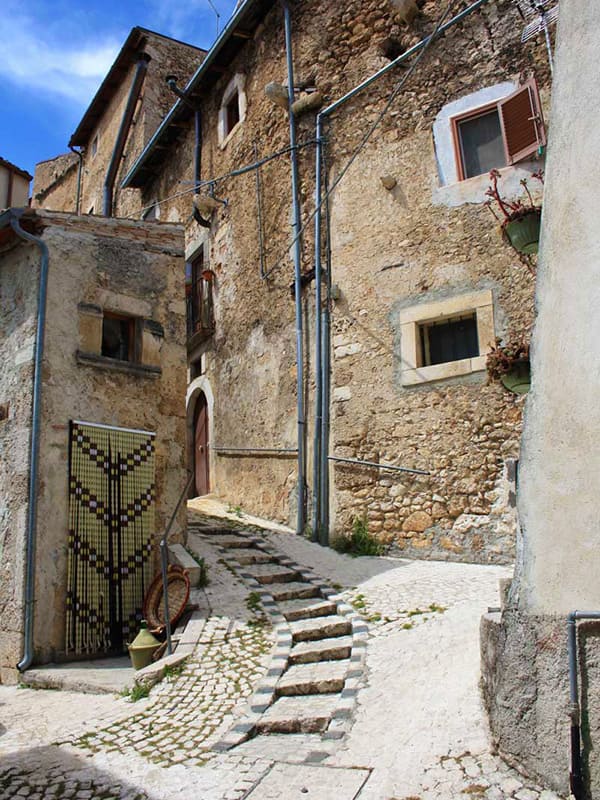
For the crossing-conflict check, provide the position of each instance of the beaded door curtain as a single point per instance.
(111, 527)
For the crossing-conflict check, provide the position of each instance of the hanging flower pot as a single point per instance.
(519, 219)
(509, 364)
(518, 380)
(523, 232)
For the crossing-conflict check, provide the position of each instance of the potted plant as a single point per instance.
(509, 364)
(520, 219)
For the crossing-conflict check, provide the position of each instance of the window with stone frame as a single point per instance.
(446, 338)
(113, 339)
(233, 108)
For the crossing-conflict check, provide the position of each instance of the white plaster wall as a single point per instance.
(559, 500)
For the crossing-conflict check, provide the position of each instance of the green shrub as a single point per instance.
(360, 542)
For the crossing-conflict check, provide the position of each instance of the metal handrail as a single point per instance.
(378, 465)
(164, 561)
(216, 449)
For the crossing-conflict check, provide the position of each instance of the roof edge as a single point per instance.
(194, 80)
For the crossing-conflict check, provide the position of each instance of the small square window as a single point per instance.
(448, 340)
(118, 334)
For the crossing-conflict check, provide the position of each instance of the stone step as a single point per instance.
(304, 630)
(321, 677)
(306, 608)
(252, 556)
(272, 573)
(298, 714)
(292, 591)
(229, 541)
(322, 650)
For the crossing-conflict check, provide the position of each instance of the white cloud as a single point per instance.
(193, 21)
(70, 70)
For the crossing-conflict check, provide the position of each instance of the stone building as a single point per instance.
(92, 426)
(126, 110)
(14, 185)
(541, 655)
(417, 281)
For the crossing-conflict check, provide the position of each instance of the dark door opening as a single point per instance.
(201, 469)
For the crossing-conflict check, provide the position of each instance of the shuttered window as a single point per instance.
(499, 134)
(522, 123)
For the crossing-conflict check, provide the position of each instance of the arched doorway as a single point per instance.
(201, 456)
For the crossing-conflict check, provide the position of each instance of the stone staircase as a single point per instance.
(320, 642)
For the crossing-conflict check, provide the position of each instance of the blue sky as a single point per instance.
(53, 56)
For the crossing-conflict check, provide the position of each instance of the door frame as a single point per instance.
(200, 385)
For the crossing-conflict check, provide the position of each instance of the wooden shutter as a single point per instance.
(522, 122)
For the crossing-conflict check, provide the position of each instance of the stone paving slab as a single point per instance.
(304, 630)
(298, 714)
(271, 573)
(101, 676)
(323, 650)
(293, 591)
(251, 556)
(306, 608)
(321, 677)
(300, 782)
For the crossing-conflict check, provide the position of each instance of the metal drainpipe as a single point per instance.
(113, 167)
(79, 154)
(322, 373)
(318, 435)
(301, 519)
(172, 84)
(35, 436)
(197, 148)
(575, 775)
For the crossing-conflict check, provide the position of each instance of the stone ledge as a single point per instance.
(116, 365)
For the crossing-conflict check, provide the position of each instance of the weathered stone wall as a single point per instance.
(525, 665)
(55, 181)
(19, 275)
(390, 249)
(129, 267)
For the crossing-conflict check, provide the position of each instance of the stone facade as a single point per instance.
(55, 181)
(417, 243)
(525, 659)
(130, 268)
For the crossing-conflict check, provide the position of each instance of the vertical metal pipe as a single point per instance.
(117, 154)
(197, 148)
(297, 225)
(164, 567)
(326, 378)
(575, 776)
(79, 154)
(35, 440)
(316, 509)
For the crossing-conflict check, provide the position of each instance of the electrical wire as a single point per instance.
(212, 182)
(361, 145)
(363, 142)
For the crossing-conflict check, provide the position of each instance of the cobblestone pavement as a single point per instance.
(419, 731)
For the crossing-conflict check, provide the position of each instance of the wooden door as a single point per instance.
(201, 445)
